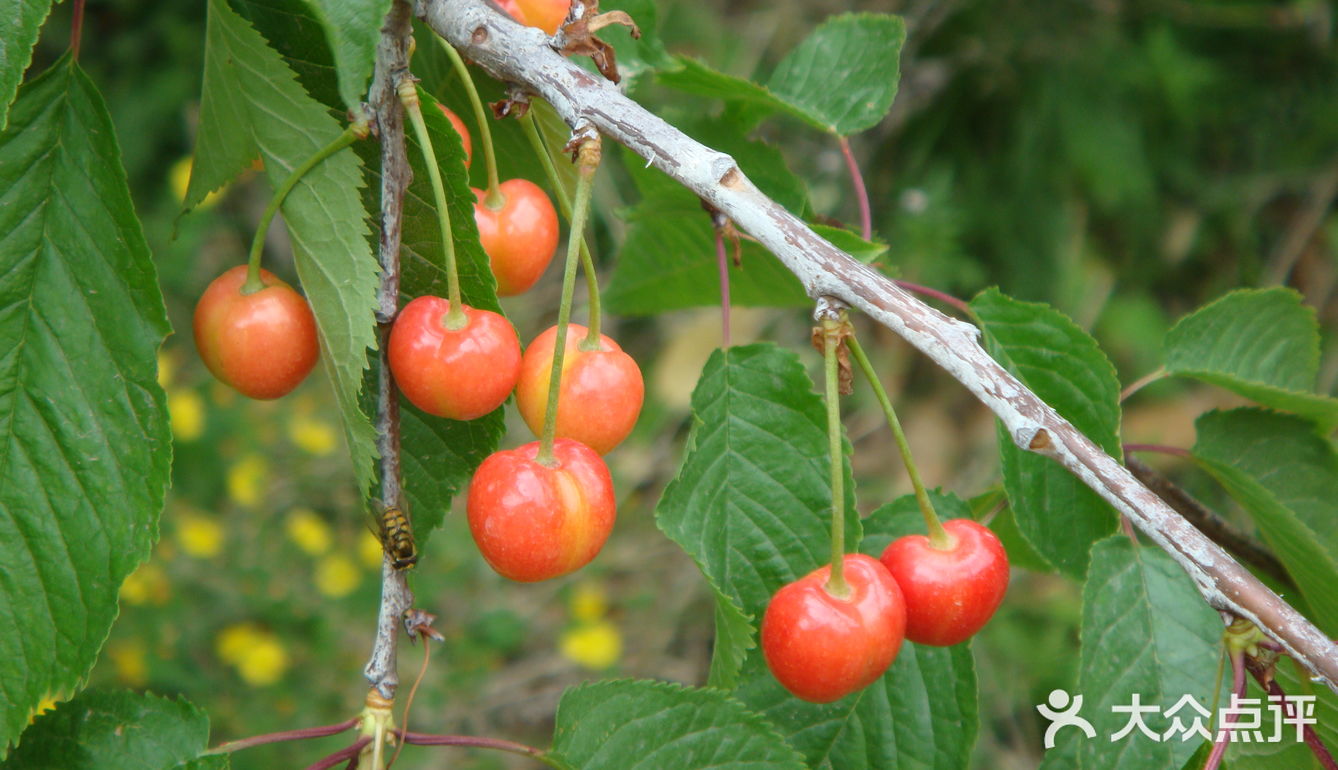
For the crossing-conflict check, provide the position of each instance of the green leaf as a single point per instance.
(353, 27)
(1287, 752)
(1058, 514)
(1287, 478)
(437, 455)
(851, 243)
(18, 34)
(252, 106)
(1145, 630)
(751, 503)
(641, 725)
(637, 57)
(1260, 343)
(110, 730)
(923, 713)
(668, 261)
(694, 77)
(84, 460)
(733, 639)
(844, 75)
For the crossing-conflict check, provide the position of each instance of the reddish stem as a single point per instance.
(348, 752)
(946, 299)
(1223, 730)
(1263, 675)
(1162, 448)
(76, 28)
(285, 735)
(722, 259)
(471, 741)
(861, 193)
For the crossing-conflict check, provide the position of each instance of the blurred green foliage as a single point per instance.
(1125, 162)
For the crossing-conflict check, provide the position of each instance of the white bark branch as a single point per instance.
(521, 55)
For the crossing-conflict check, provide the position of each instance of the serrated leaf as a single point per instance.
(637, 57)
(353, 28)
(111, 730)
(641, 725)
(296, 32)
(668, 260)
(923, 713)
(1260, 343)
(751, 503)
(695, 77)
(18, 34)
(252, 106)
(1059, 515)
(84, 460)
(1145, 630)
(1287, 478)
(844, 75)
(733, 640)
(438, 455)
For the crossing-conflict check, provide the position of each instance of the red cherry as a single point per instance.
(547, 15)
(461, 130)
(601, 390)
(520, 237)
(263, 343)
(533, 522)
(512, 9)
(821, 647)
(950, 594)
(457, 373)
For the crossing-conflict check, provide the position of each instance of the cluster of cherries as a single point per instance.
(534, 514)
(822, 645)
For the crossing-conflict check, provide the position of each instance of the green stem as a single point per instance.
(588, 164)
(836, 581)
(591, 341)
(408, 93)
(354, 132)
(938, 537)
(493, 198)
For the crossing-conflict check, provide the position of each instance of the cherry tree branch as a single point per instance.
(392, 59)
(523, 56)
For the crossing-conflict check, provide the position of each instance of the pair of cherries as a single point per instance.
(822, 647)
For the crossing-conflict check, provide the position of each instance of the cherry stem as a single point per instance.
(355, 131)
(472, 741)
(1161, 448)
(1223, 738)
(861, 193)
(591, 341)
(408, 93)
(348, 752)
(938, 537)
(408, 704)
(831, 338)
(76, 28)
(588, 162)
(722, 261)
(1308, 733)
(284, 735)
(1143, 381)
(943, 297)
(493, 198)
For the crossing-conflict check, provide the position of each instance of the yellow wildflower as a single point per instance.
(308, 531)
(146, 585)
(233, 641)
(336, 576)
(312, 434)
(588, 601)
(264, 662)
(593, 645)
(199, 536)
(167, 368)
(186, 409)
(247, 480)
(130, 659)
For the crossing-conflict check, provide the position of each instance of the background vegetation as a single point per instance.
(1123, 161)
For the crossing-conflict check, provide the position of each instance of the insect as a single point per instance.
(396, 535)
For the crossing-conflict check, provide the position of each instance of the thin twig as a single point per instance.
(861, 192)
(722, 263)
(1263, 674)
(392, 59)
(476, 742)
(348, 752)
(521, 55)
(1302, 230)
(1210, 523)
(284, 735)
(76, 28)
